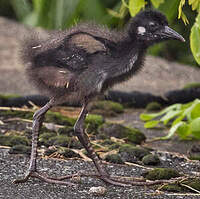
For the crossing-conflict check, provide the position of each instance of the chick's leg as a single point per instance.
(32, 170)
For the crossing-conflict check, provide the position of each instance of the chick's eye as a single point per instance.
(152, 26)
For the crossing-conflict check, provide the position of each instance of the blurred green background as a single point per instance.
(61, 14)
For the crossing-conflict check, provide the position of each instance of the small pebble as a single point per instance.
(98, 190)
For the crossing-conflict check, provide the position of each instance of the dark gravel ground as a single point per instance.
(14, 166)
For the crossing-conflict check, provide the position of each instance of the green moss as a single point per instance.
(45, 137)
(4, 98)
(114, 158)
(107, 108)
(63, 141)
(50, 151)
(131, 135)
(135, 136)
(192, 85)
(194, 156)
(13, 113)
(60, 140)
(153, 106)
(132, 152)
(68, 153)
(107, 142)
(11, 140)
(58, 118)
(18, 140)
(194, 183)
(20, 149)
(150, 159)
(114, 146)
(92, 122)
(161, 173)
(5, 140)
(175, 187)
(68, 130)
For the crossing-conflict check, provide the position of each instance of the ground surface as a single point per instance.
(158, 76)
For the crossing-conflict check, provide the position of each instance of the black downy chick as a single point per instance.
(83, 62)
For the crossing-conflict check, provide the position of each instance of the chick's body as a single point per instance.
(80, 62)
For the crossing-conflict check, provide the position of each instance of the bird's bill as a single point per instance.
(169, 33)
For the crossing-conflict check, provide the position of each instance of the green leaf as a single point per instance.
(172, 130)
(181, 4)
(195, 128)
(181, 13)
(151, 124)
(169, 115)
(195, 39)
(195, 113)
(146, 117)
(184, 131)
(135, 6)
(170, 9)
(156, 3)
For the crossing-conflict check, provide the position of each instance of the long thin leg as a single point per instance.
(83, 138)
(38, 118)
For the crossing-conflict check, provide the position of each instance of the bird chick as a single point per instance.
(84, 61)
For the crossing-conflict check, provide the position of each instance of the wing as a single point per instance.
(77, 47)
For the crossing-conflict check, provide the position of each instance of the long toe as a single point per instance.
(43, 178)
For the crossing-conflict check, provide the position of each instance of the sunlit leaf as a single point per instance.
(169, 115)
(170, 9)
(195, 127)
(194, 4)
(173, 130)
(183, 131)
(181, 4)
(135, 6)
(181, 13)
(146, 117)
(195, 39)
(151, 124)
(156, 3)
(195, 112)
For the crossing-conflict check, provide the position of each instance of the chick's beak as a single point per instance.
(168, 33)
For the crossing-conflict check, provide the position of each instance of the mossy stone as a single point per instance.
(64, 141)
(58, 118)
(5, 140)
(60, 140)
(4, 99)
(114, 158)
(132, 135)
(92, 122)
(14, 113)
(175, 187)
(50, 151)
(18, 140)
(161, 173)
(107, 142)
(150, 159)
(131, 153)
(107, 108)
(192, 85)
(20, 149)
(68, 153)
(153, 106)
(114, 146)
(194, 183)
(44, 138)
(67, 130)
